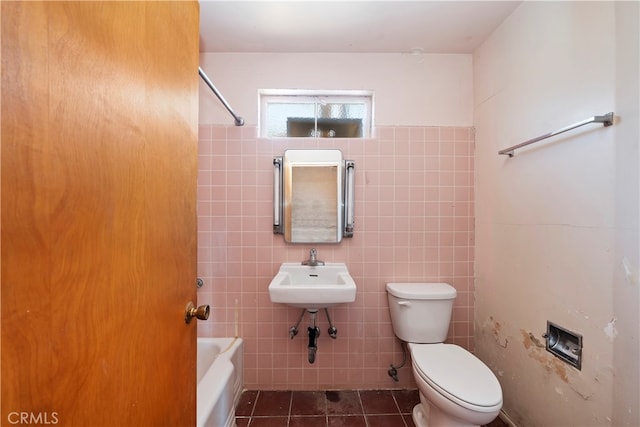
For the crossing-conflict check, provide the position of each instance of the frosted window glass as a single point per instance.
(341, 111)
(278, 113)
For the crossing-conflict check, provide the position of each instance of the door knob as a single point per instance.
(191, 311)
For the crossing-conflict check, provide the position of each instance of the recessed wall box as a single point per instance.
(564, 344)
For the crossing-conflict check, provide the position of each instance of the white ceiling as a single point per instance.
(349, 26)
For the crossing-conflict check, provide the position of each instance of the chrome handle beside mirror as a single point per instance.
(349, 198)
(277, 196)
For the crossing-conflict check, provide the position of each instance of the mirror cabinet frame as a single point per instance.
(282, 191)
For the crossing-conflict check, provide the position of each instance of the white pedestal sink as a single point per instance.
(312, 287)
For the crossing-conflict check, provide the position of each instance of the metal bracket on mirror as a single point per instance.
(278, 204)
(349, 197)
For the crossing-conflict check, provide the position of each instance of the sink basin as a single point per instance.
(310, 287)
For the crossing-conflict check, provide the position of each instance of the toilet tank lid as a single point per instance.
(422, 290)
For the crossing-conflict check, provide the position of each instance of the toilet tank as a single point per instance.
(421, 312)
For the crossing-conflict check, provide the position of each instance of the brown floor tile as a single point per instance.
(346, 421)
(378, 402)
(408, 420)
(272, 403)
(497, 423)
(247, 400)
(306, 421)
(406, 400)
(385, 421)
(341, 408)
(308, 403)
(343, 402)
(269, 421)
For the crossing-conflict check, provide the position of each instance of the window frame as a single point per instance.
(312, 96)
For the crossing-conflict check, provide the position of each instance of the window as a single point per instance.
(321, 114)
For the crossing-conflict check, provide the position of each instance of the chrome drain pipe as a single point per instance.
(314, 332)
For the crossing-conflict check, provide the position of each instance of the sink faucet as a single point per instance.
(313, 259)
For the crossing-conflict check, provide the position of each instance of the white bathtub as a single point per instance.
(219, 381)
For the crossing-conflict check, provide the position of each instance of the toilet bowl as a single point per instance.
(456, 388)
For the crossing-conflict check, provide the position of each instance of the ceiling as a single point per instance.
(349, 26)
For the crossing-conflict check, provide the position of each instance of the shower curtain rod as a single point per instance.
(239, 121)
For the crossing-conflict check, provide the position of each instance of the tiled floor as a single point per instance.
(348, 408)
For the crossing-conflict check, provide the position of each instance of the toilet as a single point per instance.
(456, 388)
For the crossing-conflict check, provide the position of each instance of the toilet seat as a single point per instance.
(457, 375)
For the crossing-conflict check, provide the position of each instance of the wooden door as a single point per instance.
(98, 153)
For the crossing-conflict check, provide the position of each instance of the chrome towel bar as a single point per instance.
(607, 120)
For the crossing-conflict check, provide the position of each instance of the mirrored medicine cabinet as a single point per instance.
(313, 194)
